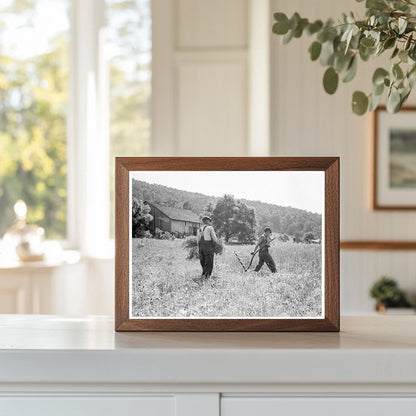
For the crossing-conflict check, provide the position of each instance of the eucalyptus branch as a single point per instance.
(389, 25)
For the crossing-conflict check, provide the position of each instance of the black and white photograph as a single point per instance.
(227, 244)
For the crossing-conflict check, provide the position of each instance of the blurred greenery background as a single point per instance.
(34, 94)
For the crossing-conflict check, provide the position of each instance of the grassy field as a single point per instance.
(162, 282)
(402, 170)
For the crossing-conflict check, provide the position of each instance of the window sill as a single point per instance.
(51, 261)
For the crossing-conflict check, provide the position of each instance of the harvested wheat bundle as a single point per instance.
(218, 247)
(191, 244)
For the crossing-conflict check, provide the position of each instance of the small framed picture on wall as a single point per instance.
(227, 244)
(394, 159)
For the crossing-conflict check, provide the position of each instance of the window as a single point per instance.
(33, 102)
(75, 88)
(129, 43)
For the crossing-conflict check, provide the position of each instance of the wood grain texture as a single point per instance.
(330, 165)
(378, 245)
(332, 226)
(121, 244)
(376, 204)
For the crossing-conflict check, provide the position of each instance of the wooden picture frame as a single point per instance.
(388, 193)
(329, 166)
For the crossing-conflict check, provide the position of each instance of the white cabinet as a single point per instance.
(80, 367)
(88, 406)
(268, 406)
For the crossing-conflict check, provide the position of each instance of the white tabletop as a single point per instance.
(371, 349)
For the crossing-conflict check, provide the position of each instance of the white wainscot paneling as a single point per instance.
(212, 24)
(308, 122)
(360, 269)
(212, 108)
(317, 407)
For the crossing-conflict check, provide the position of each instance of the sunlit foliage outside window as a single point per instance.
(33, 103)
(34, 74)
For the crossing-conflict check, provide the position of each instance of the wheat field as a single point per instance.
(162, 282)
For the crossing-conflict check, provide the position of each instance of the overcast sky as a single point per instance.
(304, 190)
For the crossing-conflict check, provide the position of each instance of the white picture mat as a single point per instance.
(387, 196)
(318, 179)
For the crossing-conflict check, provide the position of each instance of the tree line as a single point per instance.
(236, 219)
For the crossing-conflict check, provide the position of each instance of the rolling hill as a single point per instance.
(285, 220)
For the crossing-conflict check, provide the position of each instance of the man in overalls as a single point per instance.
(264, 256)
(206, 238)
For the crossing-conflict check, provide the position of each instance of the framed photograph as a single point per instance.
(227, 244)
(394, 183)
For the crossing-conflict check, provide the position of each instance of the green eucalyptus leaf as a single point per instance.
(411, 78)
(412, 52)
(404, 96)
(288, 37)
(376, 4)
(367, 42)
(366, 53)
(314, 27)
(402, 22)
(378, 89)
(337, 43)
(359, 103)
(355, 41)
(393, 101)
(282, 26)
(379, 75)
(400, 5)
(403, 56)
(389, 43)
(395, 52)
(330, 80)
(351, 70)
(394, 26)
(397, 71)
(374, 101)
(294, 20)
(341, 61)
(322, 36)
(315, 50)
(408, 42)
(412, 70)
(327, 54)
(298, 30)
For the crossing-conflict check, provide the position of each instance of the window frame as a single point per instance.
(87, 133)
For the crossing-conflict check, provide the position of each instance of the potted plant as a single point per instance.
(387, 294)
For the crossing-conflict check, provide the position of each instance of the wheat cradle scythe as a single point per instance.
(252, 257)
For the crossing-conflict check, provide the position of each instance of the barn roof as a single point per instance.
(177, 213)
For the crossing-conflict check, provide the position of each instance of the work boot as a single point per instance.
(199, 279)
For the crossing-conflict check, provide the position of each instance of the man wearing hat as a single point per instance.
(206, 239)
(264, 256)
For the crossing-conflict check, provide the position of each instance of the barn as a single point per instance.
(175, 220)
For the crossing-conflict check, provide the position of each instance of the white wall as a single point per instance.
(200, 77)
(211, 92)
(308, 122)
